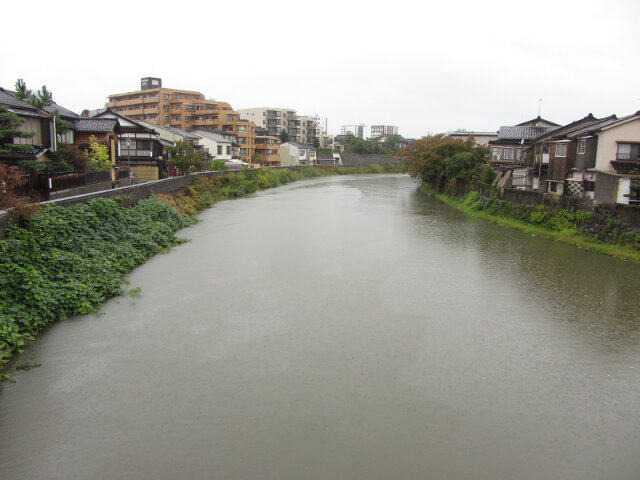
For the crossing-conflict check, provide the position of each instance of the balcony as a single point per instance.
(625, 166)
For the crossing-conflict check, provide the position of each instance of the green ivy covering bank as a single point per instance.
(64, 261)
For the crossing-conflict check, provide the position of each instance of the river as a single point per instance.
(341, 328)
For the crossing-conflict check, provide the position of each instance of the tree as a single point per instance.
(390, 146)
(43, 98)
(218, 165)
(9, 130)
(22, 92)
(284, 136)
(185, 158)
(70, 157)
(356, 145)
(436, 159)
(316, 143)
(98, 154)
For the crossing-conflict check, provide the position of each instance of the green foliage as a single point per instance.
(69, 158)
(360, 145)
(316, 143)
(440, 159)
(185, 158)
(64, 261)
(218, 165)
(42, 98)
(98, 155)
(9, 130)
(390, 145)
(284, 136)
(22, 92)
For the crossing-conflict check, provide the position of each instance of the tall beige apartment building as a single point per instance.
(301, 129)
(185, 110)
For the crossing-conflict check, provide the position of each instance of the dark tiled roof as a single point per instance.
(63, 112)
(605, 122)
(519, 133)
(7, 98)
(534, 121)
(94, 124)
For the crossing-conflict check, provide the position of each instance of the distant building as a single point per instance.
(514, 142)
(183, 109)
(294, 153)
(481, 138)
(274, 120)
(383, 130)
(301, 128)
(354, 130)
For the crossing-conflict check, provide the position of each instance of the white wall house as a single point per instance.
(220, 148)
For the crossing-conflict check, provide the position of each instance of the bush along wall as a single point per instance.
(64, 261)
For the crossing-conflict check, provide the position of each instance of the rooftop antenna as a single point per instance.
(539, 106)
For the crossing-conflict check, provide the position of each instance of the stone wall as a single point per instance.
(609, 219)
(366, 159)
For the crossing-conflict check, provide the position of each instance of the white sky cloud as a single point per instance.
(425, 67)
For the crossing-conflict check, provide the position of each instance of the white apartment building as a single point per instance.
(383, 130)
(272, 119)
(302, 129)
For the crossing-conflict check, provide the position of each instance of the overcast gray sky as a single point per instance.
(426, 67)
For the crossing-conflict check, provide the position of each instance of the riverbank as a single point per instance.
(66, 261)
(557, 224)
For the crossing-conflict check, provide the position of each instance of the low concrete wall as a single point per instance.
(72, 192)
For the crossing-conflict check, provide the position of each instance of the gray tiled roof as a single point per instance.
(176, 131)
(94, 124)
(211, 136)
(63, 112)
(519, 133)
(8, 99)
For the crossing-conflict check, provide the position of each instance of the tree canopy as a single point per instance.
(438, 159)
(9, 130)
(284, 136)
(185, 158)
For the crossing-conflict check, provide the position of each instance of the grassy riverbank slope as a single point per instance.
(64, 261)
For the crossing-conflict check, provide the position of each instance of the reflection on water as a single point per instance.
(347, 327)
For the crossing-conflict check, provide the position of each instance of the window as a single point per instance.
(242, 128)
(219, 149)
(561, 150)
(582, 144)
(165, 96)
(242, 139)
(628, 151)
(228, 150)
(496, 154)
(177, 96)
(508, 154)
(243, 151)
(165, 107)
